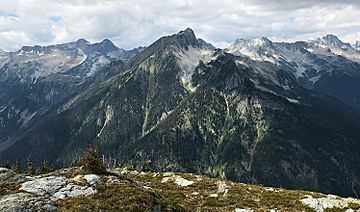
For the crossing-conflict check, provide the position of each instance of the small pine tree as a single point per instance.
(30, 166)
(45, 168)
(91, 161)
(17, 167)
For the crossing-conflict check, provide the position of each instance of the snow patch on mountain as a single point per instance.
(189, 59)
(332, 44)
(258, 49)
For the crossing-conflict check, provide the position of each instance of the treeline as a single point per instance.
(91, 161)
(30, 168)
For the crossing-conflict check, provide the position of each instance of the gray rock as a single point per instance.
(44, 186)
(16, 202)
(329, 201)
(243, 210)
(72, 190)
(49, 208)
(92, 179)
(182, 181)
(9, 176)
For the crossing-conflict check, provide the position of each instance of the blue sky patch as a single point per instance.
(55, 18)
(8, 14)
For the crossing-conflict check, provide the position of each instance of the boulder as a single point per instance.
(92, 179)
(44, 186)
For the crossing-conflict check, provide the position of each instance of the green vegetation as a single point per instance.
(131, 195)
(45, 168)
(91, 161)
(354, 206)
(17, 167)
(31, 170)
(114, 198)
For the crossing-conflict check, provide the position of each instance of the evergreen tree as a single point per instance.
(45, 168)
(17, 167)
(30, 166)
(91, 161)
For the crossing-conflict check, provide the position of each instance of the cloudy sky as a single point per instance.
(131, 23)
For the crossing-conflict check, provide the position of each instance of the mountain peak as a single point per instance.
(187, 31)
(104, 47)
(106, 41)
(331, 37)
(82, 41)
(186, 37)
(261, 41)
(183, 39)
(332, 40)
(256, 49)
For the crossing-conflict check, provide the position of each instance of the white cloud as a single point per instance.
(140, 22)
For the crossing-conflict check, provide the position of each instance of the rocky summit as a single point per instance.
(125, 190)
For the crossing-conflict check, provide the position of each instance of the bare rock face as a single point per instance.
(41, 192)
(328, 202)
(71, 190)
(60, 187)
(44, 186)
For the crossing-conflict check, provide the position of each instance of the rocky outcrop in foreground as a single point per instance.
(124, 190)
(27, 193)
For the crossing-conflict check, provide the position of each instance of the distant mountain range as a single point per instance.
(278, 114)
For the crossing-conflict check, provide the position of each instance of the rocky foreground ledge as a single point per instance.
(124, 190)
